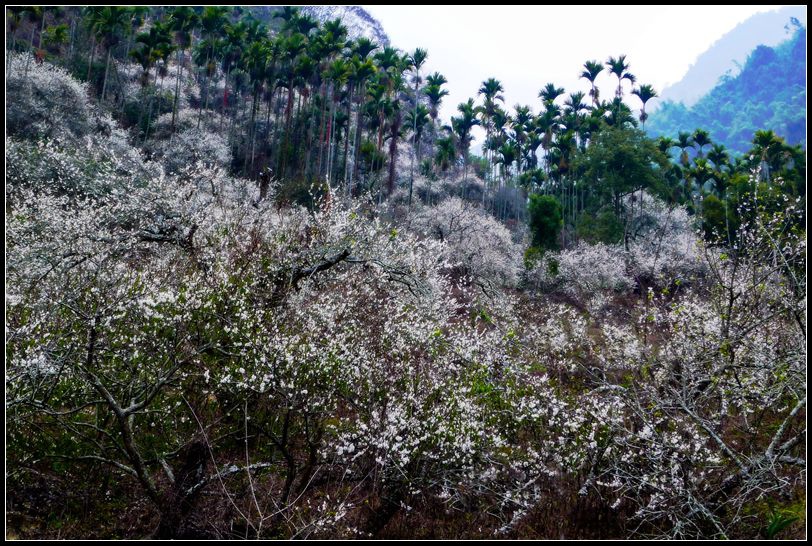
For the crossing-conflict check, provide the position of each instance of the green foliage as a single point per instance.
(777, 523)
(620, 161)
(544, 220)
(714, 218)
(603, 227)
(531, 257)
(301, 191)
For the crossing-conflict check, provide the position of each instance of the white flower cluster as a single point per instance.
(473, 240)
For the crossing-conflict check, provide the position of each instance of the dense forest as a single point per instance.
(769, 92)
(256, 288)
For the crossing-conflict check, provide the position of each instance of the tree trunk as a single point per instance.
(92, 54)
(149, 114)
(177, 91)
(322, 127)
(106, 71)
(359, 127)
(347, 140)
(414, 135)
(203, 89)
(393, 151)
(176, 504)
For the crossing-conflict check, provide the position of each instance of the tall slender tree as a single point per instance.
(491, 90)
(645, 93)
(619, 67)
(107, 25)
(591, 71)
(417, 59)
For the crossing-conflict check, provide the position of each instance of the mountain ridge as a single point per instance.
(727, 54)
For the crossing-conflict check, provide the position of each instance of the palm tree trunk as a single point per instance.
(203, 89)
(347, 138)
(414, 136)
(288, 112)
(149, 114)
(393, 151)
(359, 128)
(254, 127)
(106, 71)
(28, 57)
(177, 91)
(41, 31)
(92, 54)
(332, 139)
(322, 126)
(225, 98)
(328, 137)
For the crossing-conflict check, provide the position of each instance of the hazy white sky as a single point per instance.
(527, 46)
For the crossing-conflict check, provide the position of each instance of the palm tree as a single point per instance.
(137, 15)
(522, 120)
(507, 154)
(14, 15)
(36, 16)
(435, 93)
(338, 74)
(256, 60)
(288, 14)
(106, 24)
(461, 127)
(388, 61)
(492, 90)
(418, 119)
(231, 49)
(162, 53)
(547, 125)
(684, 141)
(550, 93)
(701, 139)
(718, 156)
(212, 24)
(664, 144)
(645, 93)
(701, 172)
(619, 114)
(155, 45)
(618, 67)
(328, 43)
(364, 69)
(418, 59)
(590, 72)
(56, 37)
(446, 152)
(769, 150)
(183, 20)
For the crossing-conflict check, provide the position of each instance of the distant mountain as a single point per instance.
(769, 93)
(727, 54)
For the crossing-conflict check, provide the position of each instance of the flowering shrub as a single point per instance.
(190, 147)
(472, 239)
(591, 268)
(48, 102)
(185, 120)
(663, 246)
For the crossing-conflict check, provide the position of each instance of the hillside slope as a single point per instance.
(728, 54)
(769, 93)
